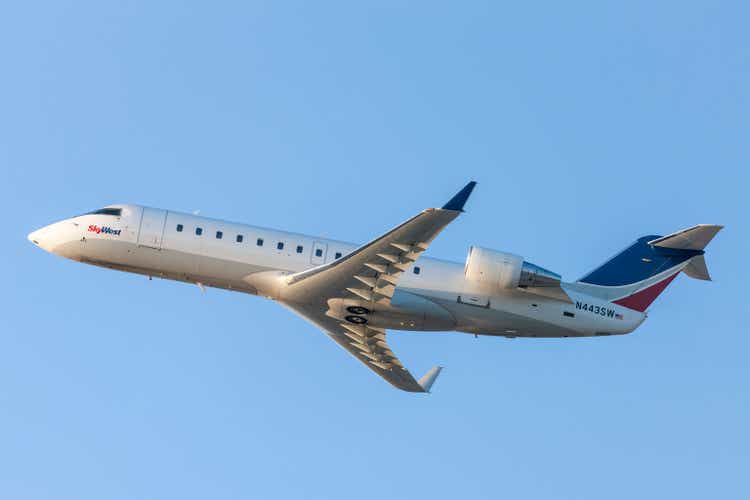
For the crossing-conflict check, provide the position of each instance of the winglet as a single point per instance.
(429, 378)
(457, 202)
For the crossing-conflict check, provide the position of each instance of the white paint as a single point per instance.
(354, 298)
(225, 263)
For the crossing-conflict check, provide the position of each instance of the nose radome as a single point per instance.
(34, 237)
(58, 238)
(42, 238)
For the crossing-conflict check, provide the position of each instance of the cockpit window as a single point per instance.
(117, 212)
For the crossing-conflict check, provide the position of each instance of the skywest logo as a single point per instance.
(106, 230)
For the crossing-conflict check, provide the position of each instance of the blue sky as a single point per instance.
(586, 124)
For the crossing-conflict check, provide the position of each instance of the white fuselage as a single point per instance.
(432, 295)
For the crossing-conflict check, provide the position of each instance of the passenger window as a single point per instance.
(417, 270)
(280, 245)
(198, 231)
(299, 248)
(318, 252)
(259, 242)
(219, 235)
(239, 238)
(179, 228)
(338, 255)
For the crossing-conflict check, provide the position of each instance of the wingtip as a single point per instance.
(429, 378)
(459, 200)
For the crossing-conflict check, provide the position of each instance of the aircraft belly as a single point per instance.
(513, 325)
(491, 320)
(167, 264)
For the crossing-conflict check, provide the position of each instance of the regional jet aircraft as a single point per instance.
(355, 293)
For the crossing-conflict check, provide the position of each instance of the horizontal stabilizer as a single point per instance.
(697, 268)
(694, 238)
(429, 378)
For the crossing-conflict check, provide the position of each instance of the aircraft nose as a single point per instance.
(34, 237)
(41, 238)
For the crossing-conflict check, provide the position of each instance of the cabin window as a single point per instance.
(318, 252)
(417, 270)
(239, 238)
(259, 242)
(568, 314)
(198, 231)
(338, 255)
(219, 235)
(179, 228)
(299, 249)
(280, 245)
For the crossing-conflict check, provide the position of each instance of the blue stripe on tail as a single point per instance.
(636, 263)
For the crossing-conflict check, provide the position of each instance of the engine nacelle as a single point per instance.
(489, 272)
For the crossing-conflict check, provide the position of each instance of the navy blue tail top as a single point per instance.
(638, 262)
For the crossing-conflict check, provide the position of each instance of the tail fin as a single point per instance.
(637, 275)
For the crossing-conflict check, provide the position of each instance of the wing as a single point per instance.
(368, 345)
(370, 274)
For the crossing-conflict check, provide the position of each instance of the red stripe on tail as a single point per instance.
(640, 300)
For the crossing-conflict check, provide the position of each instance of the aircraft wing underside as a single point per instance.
(370, 275)
(368, 345)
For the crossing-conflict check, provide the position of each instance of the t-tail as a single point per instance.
(637, 275)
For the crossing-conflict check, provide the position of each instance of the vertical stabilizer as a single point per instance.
(636, 276)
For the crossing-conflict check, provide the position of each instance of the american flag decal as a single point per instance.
(618, 316)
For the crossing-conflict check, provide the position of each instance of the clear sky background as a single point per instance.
(586, 124)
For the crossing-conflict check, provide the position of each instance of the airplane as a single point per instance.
(356, 293)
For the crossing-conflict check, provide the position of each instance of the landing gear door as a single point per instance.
(318, 253)
(152, 228)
